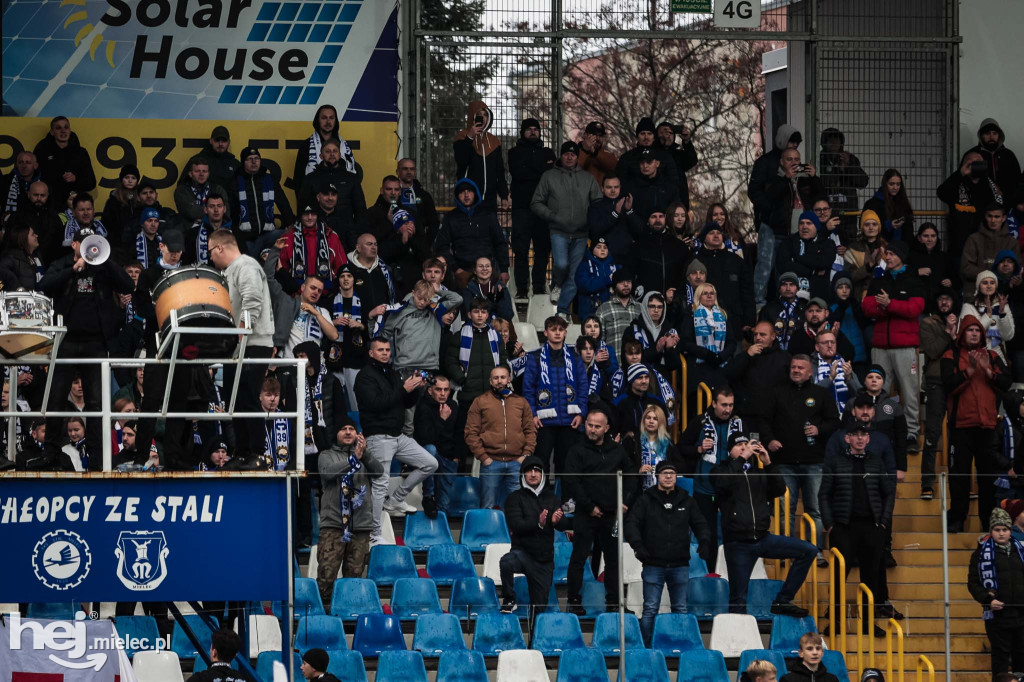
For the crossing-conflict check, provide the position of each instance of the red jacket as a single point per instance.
(972, 400)
(337, 251)
(896, 325)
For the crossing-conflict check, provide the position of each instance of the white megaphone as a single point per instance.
(95, 250)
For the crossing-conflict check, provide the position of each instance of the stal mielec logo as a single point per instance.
(61, 559)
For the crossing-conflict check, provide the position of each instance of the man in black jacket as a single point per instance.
(64, 164)
(628, 168)
(533, 513)
(730, 274)
(417, 200)
(809, 254)
(401, 242)
(658, 528)
(747, 493)
(255, 197)
(44, 220)
(612, 217)
(527, 161)
(652, 188)
(467, 233)
(684, 155)
(84, 295)
(590, 481)
(797, 425)
(434, 428)
(758, 370)
(657, 258)
(383, 398)
(224, 645)
(856, 497)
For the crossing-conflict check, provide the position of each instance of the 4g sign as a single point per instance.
(738, 13)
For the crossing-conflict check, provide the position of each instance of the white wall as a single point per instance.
(991, 77)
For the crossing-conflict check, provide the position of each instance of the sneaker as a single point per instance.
(522, 296)
(398, 507)
(955, 527)
(913, 447)
(890, 560)
(822, 561)
(886, 611)
(788, 609)
(508, 605)
(430, 507)
(879, 632)
(576, 608)
(556, 292)
(927, 494)
(376, 540)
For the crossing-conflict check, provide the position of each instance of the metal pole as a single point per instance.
(556, 73)
(622, 590)
(108, 455)
(945, 570)
(57, 338)
(289, 661)
(300, 415)
(12, 405)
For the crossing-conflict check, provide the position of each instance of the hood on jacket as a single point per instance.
(533, 461)
(462, 183)
(832, 132)
(1004, 254)
(337, 120)
(645, 315)
(485, 143)
(970, 321)
(990, 123)
(952, 293)
(49, 144)
(782, 136)
(353, 255)
(312, 351)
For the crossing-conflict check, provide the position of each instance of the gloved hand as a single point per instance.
(704, 551)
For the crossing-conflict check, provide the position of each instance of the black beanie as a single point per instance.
(646, 123)
(318, 659)
(129, 170)
(528, 123)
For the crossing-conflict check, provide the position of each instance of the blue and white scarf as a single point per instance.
(142, 247)
(786, 323)
(466, 346)
(987, 574)
(651, 454)
(840, 389)
(1009, 450)
(518, 365)
(545, 383)
(709, 326)
(710, 432)
(314, 396)
(310, 324)
(72, 227)
(203, 242)
(665, 390)
(315, 143)
(277, 445)
(249, 206)
(594, 385)
(350, 499)
(300, 265)
(199, 192)
(355, 311)
(83, 453)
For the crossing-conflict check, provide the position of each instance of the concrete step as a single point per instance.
(903, 592)
(933, 540)
(931, 524)
(915, 625)
(931, 557)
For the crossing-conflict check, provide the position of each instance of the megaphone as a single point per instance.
(95, 250)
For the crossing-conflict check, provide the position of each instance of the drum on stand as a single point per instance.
(23, 316)
(200, 296)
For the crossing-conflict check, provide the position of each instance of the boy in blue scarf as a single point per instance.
(996, 580)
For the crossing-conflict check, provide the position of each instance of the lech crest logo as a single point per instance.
(141, 559)
(61, 559)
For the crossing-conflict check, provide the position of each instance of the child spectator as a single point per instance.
(594, 278)
(810, 668)
(277, 447)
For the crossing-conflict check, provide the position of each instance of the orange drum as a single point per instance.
(200, 296)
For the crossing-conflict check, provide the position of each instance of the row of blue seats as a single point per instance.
(574, 665)
(480, 527)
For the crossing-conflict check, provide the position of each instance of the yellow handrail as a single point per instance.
(945, 441)
(835, 556)
(702, 391)
(888, 650)
(785, 517)
(931, 668)
(866, 591)
(814, 569)
(684, 397)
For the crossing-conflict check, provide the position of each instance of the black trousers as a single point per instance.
(250, 434)
(553, 443)
(862, 539)
(539, 575)
(969, 445)
(709, 509)
(177, 440)
(63, 377)
(1007, 645)
(588, 530)
(526, 227)
(934, 411)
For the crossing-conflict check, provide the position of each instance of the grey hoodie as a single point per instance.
(333, 464)
(415, 334)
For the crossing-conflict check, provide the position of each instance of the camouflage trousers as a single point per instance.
(333, 554)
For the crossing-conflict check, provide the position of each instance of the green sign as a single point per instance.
(691, 6)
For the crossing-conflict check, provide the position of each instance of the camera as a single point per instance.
(428, 377)
(478, 119)
(979, 167)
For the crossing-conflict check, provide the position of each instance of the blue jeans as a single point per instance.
(497, 481)
(566, 255)
(765, 263)
(655, 578)
(803, 479)
(740, 558)
(439, 485)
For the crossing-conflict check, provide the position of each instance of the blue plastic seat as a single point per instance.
(482, 527)
(461, 666)
(686, 483)
(376, 633)
(307, 598)
(389, 563)
(354, 597)
(835, 664)
(760, 595)
(606, 633)
(675, 633)
(320, 632)
(787, 631)
(137, 629)
(701, 665)
(554, 633)
(347, 665)
(422, 532)
(401, 666)
(594, 599)
(750, 655)
(412, 597)
(265, 664)
(563, 551)
(698, 567)
(463, 496)
(437, 633)
(64, 610)
(445, 563)
(707, 597)
(180, 643)
(582, 665)
(522, 590)
(560, 536)
(473, 596)
(644, 665)
(497, 632)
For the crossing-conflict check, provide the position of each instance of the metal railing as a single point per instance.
(703, 397)
(865, 591)
(837, 564)
(922, 659)
(805, 521)
(893, 674)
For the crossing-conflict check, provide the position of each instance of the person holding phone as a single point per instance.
(891, 204)
(479, 157)
(966, 193)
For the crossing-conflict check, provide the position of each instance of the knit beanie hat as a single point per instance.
(318, 659)
(1014, 508)
(899, 248)
(868, 214)
(813, 217)
(528, 123)
(635, 371)
(129, 169)
(646, 123)
(695, 266)
(984, 274)
(999, 517)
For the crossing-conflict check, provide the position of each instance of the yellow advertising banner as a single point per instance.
(162, 148)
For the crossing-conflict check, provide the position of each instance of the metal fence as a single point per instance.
(884, 73)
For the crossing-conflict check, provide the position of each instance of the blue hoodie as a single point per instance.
(593, 283)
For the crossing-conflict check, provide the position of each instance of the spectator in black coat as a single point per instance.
(652, 189)
(892, 205)
(658, 257)
(707, 337)
(756, 372)
(255, 198)
(527, 161)
(966, 193)
(932, 265)
(416, 199)
(21, 260)
(841, 176)
(612, 217)
(401, 243)
(333, 170)
(14, 186)
(64, 164)
(683, 153)
(434, 428)
(628, 168)
(44, 220)
(467, 233)
(729, 273)
(656, 334)
(1002, 163)
(478, 157)
(809, 253)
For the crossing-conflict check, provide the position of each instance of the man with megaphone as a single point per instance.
(82, 285)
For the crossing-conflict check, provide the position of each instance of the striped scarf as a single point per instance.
(840, 389)
(987, 574)
(249, 206)
(786, 323)
(1009, 450)
(300, 257)
(203, 241)
(709, 326)
(350, 499)
(315, 143)
(651, 454)
(72, 227)
(142, 247)
(711, 433)
(594, 374)
(277, 442)
(355, 311)
(545, 383)
(466, 346)
(314, 396)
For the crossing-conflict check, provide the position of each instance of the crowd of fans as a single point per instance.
(804, 324)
